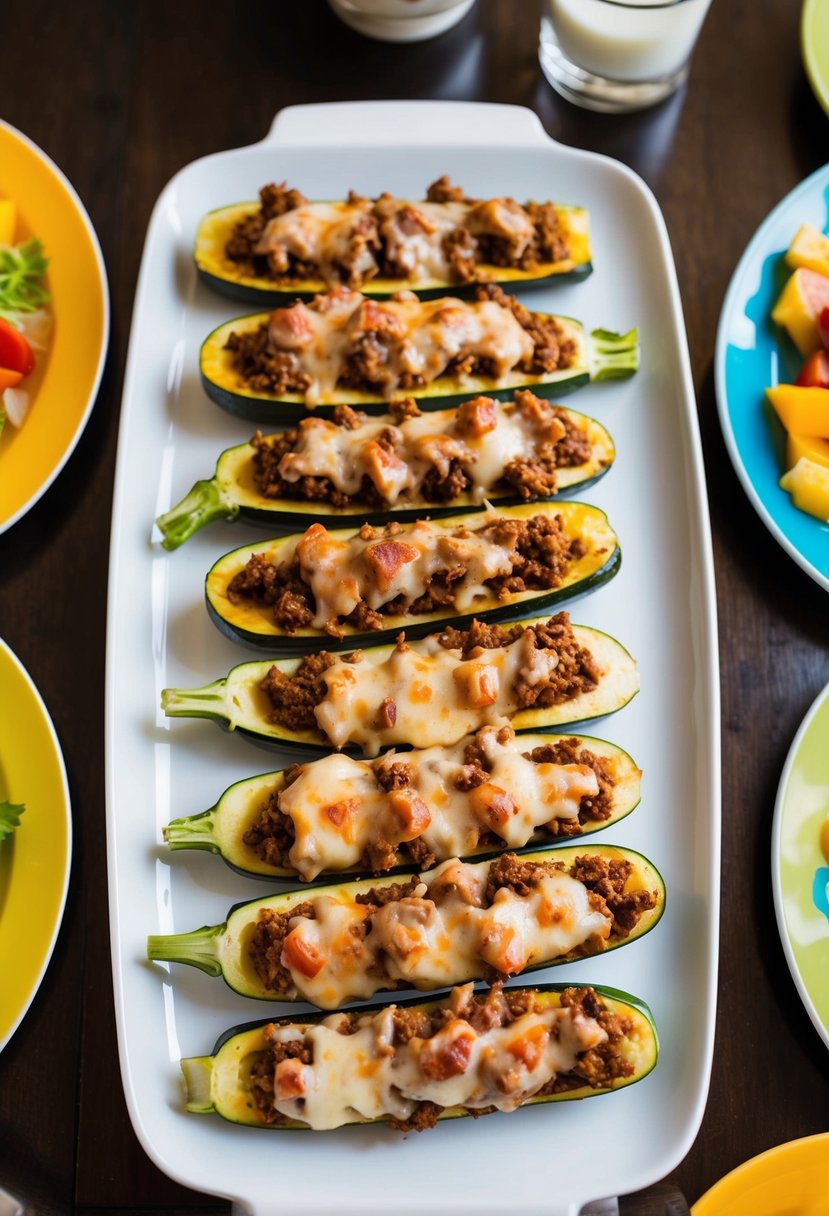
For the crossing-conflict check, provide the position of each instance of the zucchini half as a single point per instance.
(221, 829)
(236, 702)
(223, 950)
(220, 1083)
(601, 355)
(231, 279)
(232, 494)
(250, 621)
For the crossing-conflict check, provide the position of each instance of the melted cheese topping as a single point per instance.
(381, 568)
(338, 808)
(363, 1076)
(338, 237)
(430, 441)
(438, 695)
(329, 236)
(419, 338)
(441, 934)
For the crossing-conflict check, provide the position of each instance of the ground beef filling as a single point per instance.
(294, 697)
(268, 369)
(530, 477)
(597, 1068)
(464, 252)
(272, 834)
(542, 553)
(605, 880)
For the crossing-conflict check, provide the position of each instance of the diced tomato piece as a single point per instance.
(492, 805)
(9, 378)
(529, 1047)
(815, 371)
(412, 812)
(443, 1057)
(289, 1081)
(340, 814)
(387, 557)
(15, 352)
(823, 326)
(300, 955)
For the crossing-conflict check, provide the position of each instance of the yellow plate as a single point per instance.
(789, 1180)
(49, 208)
(34, 860)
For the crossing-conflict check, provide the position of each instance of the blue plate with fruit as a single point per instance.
(754, 353)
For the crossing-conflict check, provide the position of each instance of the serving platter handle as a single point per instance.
(412, 123)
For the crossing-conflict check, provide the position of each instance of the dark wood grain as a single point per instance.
(123, 96)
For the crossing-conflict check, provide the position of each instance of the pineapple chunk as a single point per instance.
(799, 307)
(809, 248)
(808, 484)
(803, 411)
(8, 221)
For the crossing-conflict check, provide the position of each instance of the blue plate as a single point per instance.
(753, 353)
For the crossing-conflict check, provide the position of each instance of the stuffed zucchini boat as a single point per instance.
(461, 921)
(354, 469)
(344, 349)
(490, 792)
(414, 1063)
(331, 589)
(538, 674)
(285, 246)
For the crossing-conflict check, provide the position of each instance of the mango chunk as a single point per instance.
(809, 248)
(799, 307)
(808, 484)
(8, 220)
(816, 450)
(803, 411)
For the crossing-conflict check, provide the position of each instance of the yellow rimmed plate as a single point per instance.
(791, 1179)
(49, 208)
(35, 859)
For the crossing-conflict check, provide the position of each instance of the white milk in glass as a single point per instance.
(640, 40)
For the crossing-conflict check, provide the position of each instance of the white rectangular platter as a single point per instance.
(548, 1159)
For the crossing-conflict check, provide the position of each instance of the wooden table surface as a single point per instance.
(122, 96)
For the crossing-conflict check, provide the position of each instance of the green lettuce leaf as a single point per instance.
(9, 818)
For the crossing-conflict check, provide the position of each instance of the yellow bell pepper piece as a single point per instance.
(816, 450)
(803, 411)
(810, 248)
(8, 220)
(799, 307)
(808, 484)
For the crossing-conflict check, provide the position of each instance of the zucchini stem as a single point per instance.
(613, 356)
(192, 832)
(205, 702)
(205, 502)
(199, 948)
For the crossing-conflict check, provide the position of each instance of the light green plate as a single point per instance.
(800, 862)
(814, 44)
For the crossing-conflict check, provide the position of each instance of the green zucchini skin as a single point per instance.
(219, 950)
(231, 494)
(222, 700)
(221, 828)
(611, 356)
(220, 274)
(219, 1083)
(230, 618)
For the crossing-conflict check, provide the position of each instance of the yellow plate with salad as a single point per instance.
(41, 216)
(35, 840)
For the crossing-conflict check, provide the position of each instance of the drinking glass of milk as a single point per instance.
(617, 55)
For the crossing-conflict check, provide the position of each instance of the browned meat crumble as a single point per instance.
(597, 1068)
(266, 368)
(528, 478)
(604, 879)
(465, 253)
(542, 554)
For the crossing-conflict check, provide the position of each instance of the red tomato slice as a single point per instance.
(815, 371)
(823, 327)
(15, 351)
